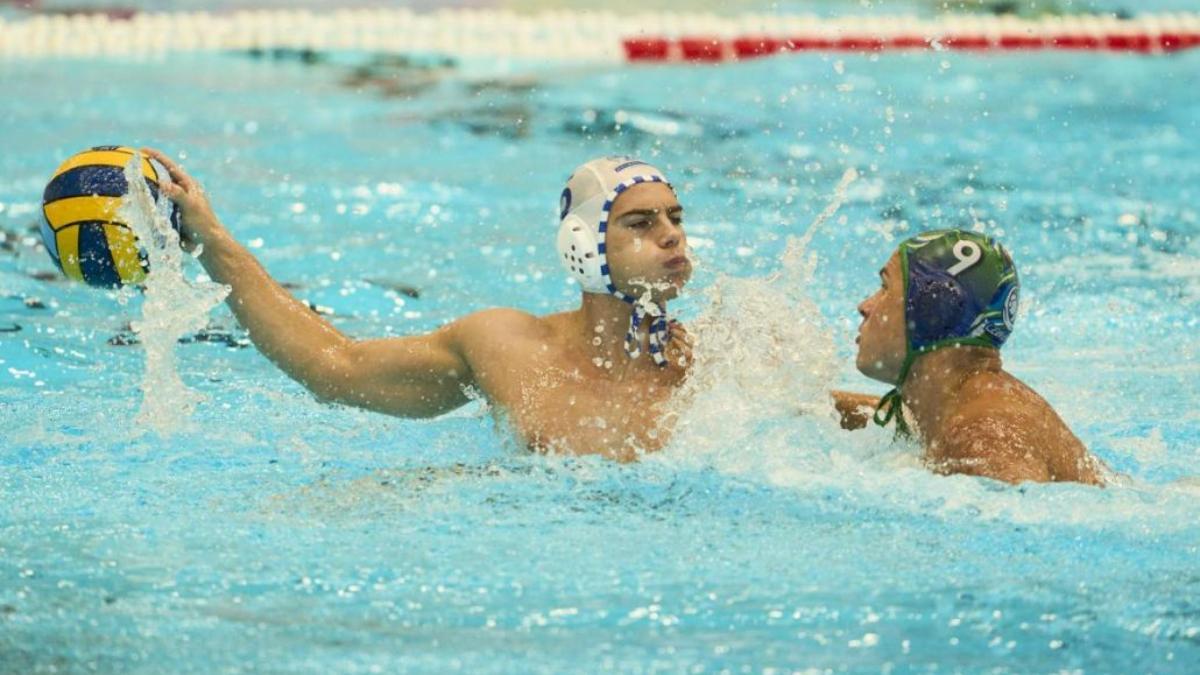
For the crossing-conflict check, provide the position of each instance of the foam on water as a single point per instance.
(757, 405)
(173, 306)
(763, 354)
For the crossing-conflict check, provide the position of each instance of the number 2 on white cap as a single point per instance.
(968, 253)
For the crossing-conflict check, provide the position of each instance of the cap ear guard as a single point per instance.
(581, 253)
(998, 323)
(937, 306)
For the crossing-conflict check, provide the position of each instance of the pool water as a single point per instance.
(271, 533)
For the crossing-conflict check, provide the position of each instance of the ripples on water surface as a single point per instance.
(277, 534)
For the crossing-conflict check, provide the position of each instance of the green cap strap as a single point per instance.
(891, 406)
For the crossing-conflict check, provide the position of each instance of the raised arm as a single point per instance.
(418, 376)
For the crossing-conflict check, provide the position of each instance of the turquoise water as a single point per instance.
(272, 533)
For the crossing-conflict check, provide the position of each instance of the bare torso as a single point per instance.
(561, 382)
(559, 396)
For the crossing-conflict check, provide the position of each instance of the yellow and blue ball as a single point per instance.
(81, 229)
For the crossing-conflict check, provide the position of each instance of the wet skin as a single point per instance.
(972, 416)
(562, 382)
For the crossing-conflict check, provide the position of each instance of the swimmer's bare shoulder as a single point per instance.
(1006, 431)
(992, 444)
(498, 333)
(504, 320)
(427, 375)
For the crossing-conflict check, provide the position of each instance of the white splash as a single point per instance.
(764, 363)
(173, 306)
(756, 405)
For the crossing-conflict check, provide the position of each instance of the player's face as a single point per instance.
(881, 336)
(645, 243)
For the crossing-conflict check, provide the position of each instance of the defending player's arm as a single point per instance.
(855, 409)
(412, 377)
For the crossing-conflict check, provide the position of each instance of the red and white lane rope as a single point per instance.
(1147, 35)
(578, 35)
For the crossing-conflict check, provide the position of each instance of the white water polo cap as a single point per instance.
(584, 210)
(586, 204)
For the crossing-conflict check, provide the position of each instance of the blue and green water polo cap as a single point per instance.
(959, 288)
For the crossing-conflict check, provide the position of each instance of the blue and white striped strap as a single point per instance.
(659, 332)
(659, 329)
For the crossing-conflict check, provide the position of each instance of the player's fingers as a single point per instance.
(178, 175)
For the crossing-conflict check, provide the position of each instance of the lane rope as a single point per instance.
(580, 35)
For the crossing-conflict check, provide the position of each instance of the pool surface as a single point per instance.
(270, 533)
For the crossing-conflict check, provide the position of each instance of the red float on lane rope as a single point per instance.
(908, 42)
(708, 49)
(974, 42)
(750, 47)
(647, 49)
(1017, 42)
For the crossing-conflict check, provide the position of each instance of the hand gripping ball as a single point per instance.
(81, 228)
